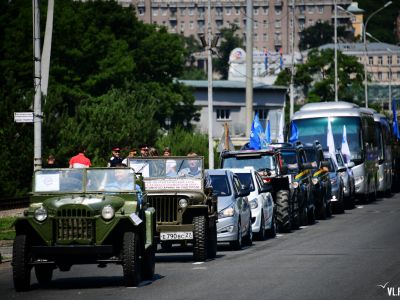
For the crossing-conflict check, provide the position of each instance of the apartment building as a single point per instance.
(272, 19)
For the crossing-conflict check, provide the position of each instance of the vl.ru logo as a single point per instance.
(391, 291)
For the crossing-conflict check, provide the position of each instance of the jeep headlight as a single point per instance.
(227, 212)
(295, 184)
(253, 203)
(314, 181)
(107, 212)
(40, 214)
(359, 179)
(183, 203)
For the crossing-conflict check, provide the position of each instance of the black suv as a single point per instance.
(295, 160)
(321, 184)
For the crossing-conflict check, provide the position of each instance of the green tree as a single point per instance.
(230, 41)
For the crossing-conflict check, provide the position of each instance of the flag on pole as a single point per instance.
(256, 132)
(294, 134)
(330, 141)
(395, 124)
(345, 146)
(268, 133)
(281, 126)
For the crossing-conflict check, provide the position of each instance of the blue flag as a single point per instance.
(268, 133)
(294, 134)
(395, 124)
(256, 132)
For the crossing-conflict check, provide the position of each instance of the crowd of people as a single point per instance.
(81, 161)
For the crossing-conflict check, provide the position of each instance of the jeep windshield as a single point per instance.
(290, 159)
(84, 180)
(258, 162)
(171, 167)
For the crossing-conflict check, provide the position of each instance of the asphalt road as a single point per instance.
(345, 257)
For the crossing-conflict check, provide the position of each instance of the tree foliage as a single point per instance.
(112, 82)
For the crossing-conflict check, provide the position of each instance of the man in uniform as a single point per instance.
(115, 159)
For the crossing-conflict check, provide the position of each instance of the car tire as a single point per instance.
(311, 216)
(248, 240)
(130, 259)
(44, 274)
(212, 242)
(200, 238)
(271, 232)
(323, 209)
(261, 235)
(20, 263)
(340, 205)
(148, 262)
(237, 244)
(283, 217)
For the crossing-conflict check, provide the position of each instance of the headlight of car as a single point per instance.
(40, 214)
(333, 181)
(359, 179)
(253, 203)
(183, 203)
(295, 184)
(342, 174)
(107, 212)
(227, 212)
(314, 180)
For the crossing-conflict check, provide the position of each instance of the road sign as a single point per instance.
(23, 117)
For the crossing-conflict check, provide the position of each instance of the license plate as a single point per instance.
(180, 235)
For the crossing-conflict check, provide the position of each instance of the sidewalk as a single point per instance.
(6, 245)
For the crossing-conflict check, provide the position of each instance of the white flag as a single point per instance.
(330, 141)
(345, 146)
(281, 125)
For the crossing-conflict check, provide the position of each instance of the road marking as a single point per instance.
(200, 268)
(303, 227)
(198, 263)
(360, 206)
(279, 235)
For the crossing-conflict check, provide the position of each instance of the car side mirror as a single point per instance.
(265, 188)
(350, 164)
(341, 169)
(244, 192)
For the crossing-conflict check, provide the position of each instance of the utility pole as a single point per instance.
(292, 69)
(37, 105)
(210, 93)
(45, 65)
(336, 62)
(249, 66)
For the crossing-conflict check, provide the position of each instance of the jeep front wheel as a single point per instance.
(20, 262)
(200, 238)
(130, 259)
(212, 242)
(283, 211)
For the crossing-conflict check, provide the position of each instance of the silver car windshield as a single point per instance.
(170, 167)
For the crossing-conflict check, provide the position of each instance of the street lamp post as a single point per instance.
(336, 62)
(365, 50)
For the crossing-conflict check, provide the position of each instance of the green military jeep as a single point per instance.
(186, 210)
(84, 216)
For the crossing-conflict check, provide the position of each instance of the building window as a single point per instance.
(277, 23)
(320, 9)
(379, 75)
(302, 8)
(191, 25)
(255, 24)
(371, 60)
(200, 11)
(200, 24)
(311, 9)
(164, 11)
(183, 26)
(398, 75)
(379, 60)
(155, 12)
(223, 114)
(398, 59)
(262, 114)
(278, 10)
(141, 11)
(310, 22)
(182, 11)
(191, 11)
(265, 37)
(228, 10)
(219, 11)
(389, 76)
(265, 24)
(389, 60)
(237, 10)
(256, 37)
(255, 11)
(265, 10)
(219, 23)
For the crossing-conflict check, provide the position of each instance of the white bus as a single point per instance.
(312, 124)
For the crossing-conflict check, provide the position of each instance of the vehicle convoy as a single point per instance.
(84, 216)
(311, 123)
(294, 157)
(321, 184)
(181, 193)
(234, 213)
(262, 206)
(268, 163)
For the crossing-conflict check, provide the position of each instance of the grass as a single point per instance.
(7, 231)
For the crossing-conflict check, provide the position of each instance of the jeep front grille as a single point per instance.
(166, 208)
(69, 229)
(74, 224)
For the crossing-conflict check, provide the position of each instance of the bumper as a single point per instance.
(227, 229)
(256, 219)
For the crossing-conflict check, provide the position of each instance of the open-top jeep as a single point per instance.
(84, 216)
(186, 210)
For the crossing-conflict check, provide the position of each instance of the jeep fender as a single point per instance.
(150, 228)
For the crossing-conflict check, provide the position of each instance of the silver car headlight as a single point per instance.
(183, 203)
(227, 212)
(358, 179)
(314, 181)
(107, 212)
(253, 203)
(40, 214)
(333, 181)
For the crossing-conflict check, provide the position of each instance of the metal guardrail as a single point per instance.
(13, 203)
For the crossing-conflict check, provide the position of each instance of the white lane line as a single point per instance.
(200, 268)
(198, 263)
(360, 206)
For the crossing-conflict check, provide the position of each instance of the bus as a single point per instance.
(311, 123)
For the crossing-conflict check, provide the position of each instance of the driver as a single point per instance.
(193, 169)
